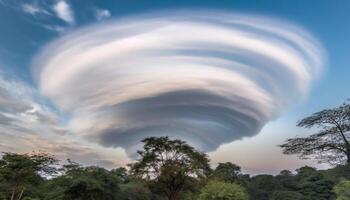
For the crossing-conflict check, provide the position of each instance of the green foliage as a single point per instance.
(90, 183)
(337, 173)
(220, 190)
(169, 166)
(226, 172)
(82, 183)
(314, 185)
(135, 191)
(54, 189)
(121, 173)
(287, 181)
(167, 169)
(30, 198)
(287, 195)
(262, 186)
(2, 194)
(342, 190)
(19, 172)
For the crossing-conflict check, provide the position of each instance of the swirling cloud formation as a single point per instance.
(204, 77)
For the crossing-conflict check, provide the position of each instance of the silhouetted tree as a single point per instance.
(330, 143)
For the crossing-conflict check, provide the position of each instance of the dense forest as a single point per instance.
(170, 169)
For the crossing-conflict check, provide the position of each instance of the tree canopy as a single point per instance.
(170, 165)
(18, 172)
(220, 190)
(342, 190)
(227, 172)
(166, 169)
(330, 143)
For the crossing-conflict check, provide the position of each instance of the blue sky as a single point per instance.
(21, 37)
(31, 29)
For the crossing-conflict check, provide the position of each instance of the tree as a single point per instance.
(287, 195)
(135, 191)
(262, 187)
(330, 143)
(20, 171)
(82, 183)
(287, 180)
(227, 172)
(342, 190)
(170, 165)
(220, 190)
(121, 173)
(338, 173)
(313, 184)
(90, 183)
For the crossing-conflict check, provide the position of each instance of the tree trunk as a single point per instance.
(348, 157)
(347, 153)
(173, 197)
(20, 195)
(13, 193)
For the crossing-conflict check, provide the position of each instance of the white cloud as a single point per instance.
(59, 29)
(64, 11)
(102, 14)
(22, 110)
(204, 77)
(36, 9)
(30, 8)
(27, 124)
(33, 9)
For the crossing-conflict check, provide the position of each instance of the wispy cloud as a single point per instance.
(46, 12)
(102, 14)
(64, 11)
(23, 111)
(27, 124)
(33, 9)
(204, 77)
(56, 28)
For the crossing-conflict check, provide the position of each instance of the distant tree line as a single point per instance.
(173, 170)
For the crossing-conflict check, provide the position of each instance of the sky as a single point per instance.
(87, 80)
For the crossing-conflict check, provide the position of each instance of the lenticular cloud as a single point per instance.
(203, 77)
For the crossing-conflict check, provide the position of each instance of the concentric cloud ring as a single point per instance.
(204, 77)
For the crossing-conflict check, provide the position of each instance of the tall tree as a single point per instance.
(20, 171)
(170, 164)
(331, 142)
(227, 172)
